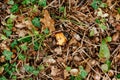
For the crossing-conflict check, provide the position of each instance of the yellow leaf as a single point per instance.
(61, 39)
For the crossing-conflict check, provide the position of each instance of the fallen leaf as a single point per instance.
(117, 17)
(21, 33)
(29, 24)
(109, 2)
(58, 50)
(54, 71)
(66, 74)
(49, 60)
(115, 36)
(72, 41)
(47, 21)
(61, 39)
(3, 46)
(118, 27)
(20, 25)
(76, 36)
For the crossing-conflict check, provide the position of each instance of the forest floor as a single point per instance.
(60, 40)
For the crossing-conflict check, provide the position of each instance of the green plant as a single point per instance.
(9, 69)
(61, 9)
(24, 47)
(36, 22)
(14, 8)
(37, 39)
(101, 23)
(104, 50)
(98, 3)
(92, 32)
(103, 5)
(118, 76)
(36, 45)
(82, 74)
(106, 66)
(108, 39)
(11, 2)
(3, 78)
(9, 25)
(21, 56)
(102, 26)
(25, 39)
(7, 32)
(10, 22)
(26, 2)
(95, 4)
(14, 43)
(7, 54)
(46, 31)
(41, 67)
(118, 9)
(14, 77)
(31, 69)
(3, 37)
(42, 3)
(68, 68)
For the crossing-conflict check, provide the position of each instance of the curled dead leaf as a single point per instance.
(2, 58)
(21, 33)
(66, 74)
(77, 37)
(49, 60)
(118, 27)
(61, 39)
(20, 25)
(58, 50)
(115, 36)
(47, 21)
(54, 71)
(29, 24)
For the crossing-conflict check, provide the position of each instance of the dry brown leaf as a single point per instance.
(61, 39)
(72, 41)
(54, 71)
(48, 21)
(2, 58)
(117, 17)
(29, 24)
(115, 36)
(49, 60)
(21, 33)
(58, 50)
(109, 2)
(3, 46)
(76, 36)
(66, 74)
(20, 25)
(118, 27)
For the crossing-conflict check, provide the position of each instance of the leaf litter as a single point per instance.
(60, 40)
